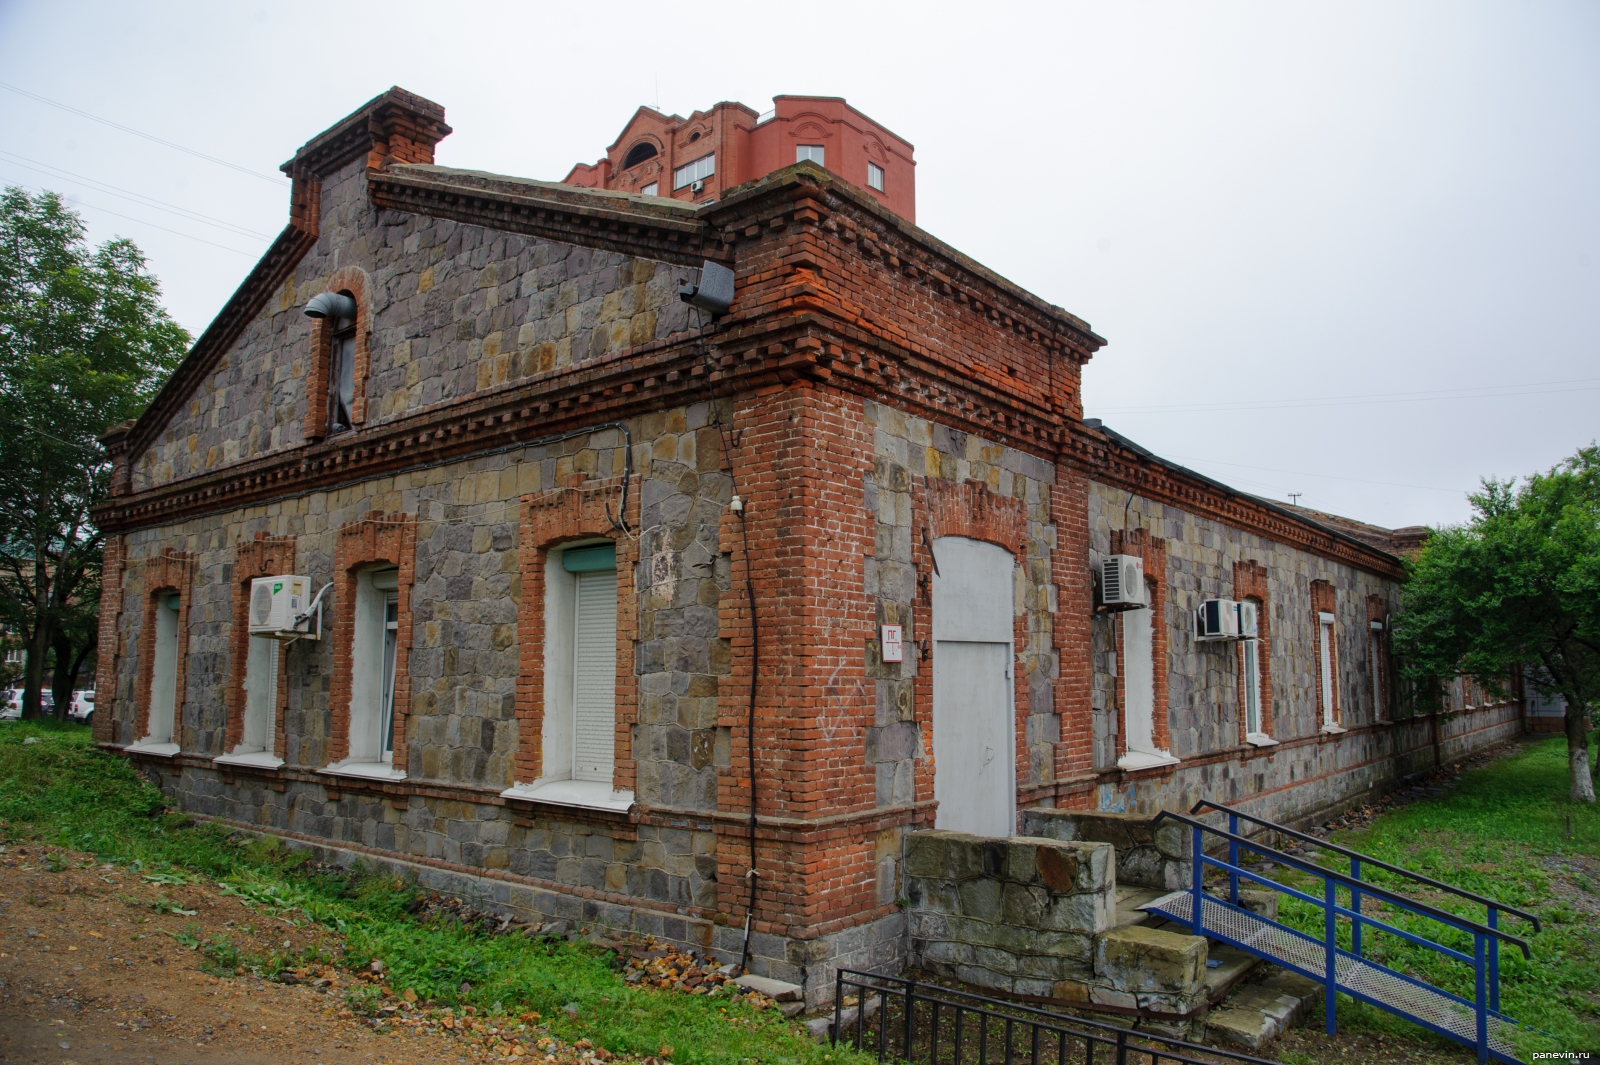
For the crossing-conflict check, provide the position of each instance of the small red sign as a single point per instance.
(893, 649)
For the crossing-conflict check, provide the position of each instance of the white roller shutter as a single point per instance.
(595, 676)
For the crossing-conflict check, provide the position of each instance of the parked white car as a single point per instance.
(82, 705)
(12, 710)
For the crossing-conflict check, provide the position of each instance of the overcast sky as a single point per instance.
(1348, 250)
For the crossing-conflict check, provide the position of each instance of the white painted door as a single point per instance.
(974, 727)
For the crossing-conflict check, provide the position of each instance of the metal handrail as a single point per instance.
(1364, 887)
(910, 991)
(1367, 860)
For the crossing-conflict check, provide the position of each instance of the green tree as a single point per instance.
(1517, 586)
(84, 344)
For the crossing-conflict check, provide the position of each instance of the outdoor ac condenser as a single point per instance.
(1121, 582)
(1249, 628)
(1217, 619)
(275, 603)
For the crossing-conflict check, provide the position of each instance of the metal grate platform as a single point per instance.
(1429, 1006)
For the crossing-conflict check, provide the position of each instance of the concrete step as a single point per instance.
(1129, 899)
(1255, 1014)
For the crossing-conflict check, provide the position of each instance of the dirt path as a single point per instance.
(99, 965)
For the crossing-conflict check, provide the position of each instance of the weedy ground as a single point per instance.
(1504, 830)
(83, 834)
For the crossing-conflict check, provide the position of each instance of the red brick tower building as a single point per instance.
(694, 159)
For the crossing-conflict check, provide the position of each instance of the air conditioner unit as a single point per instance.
(1217, 619)
(1249, 626)
(276, 605)
(1122, 582)
(697, 187)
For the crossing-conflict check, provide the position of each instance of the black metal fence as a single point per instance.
(901, 1020)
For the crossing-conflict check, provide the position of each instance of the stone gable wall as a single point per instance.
(456, 309)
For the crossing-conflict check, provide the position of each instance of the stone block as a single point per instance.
(1138, 958)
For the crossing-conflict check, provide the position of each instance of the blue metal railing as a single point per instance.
(1366, 979)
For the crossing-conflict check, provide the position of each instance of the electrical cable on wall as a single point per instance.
(737, 506)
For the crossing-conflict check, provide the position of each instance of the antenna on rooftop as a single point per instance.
(1294, 498)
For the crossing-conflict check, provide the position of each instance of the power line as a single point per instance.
(152, 225)
(1324, 476)
(1539, 388)
(275, 179)
(137, 197)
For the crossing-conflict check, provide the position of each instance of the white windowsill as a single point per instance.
(159, 750)
(363, 770)
(1260, 739)
(1145, 760)
(1333, 730)
(253, 759)
(584, 794)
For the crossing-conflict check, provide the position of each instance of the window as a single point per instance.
(809, 153)
(163, 671)
(342, 376)
(1375, 667)
(699, 170)
(1139, 689)
(1252, 689)
(874, 176)
(373, 649)
(1326, 658)
(638, 154)
(260, 696)
(650, 189)
(580, 676)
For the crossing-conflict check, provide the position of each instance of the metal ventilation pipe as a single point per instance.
(331, 305)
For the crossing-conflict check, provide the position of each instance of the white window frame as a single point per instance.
(874, 176)
(165, 698)
(263, 659)
(694, 170)
(1327, 671)
(1139, 690)
(1250, 678)
(651, 189)
(811, 153)
(372, 676)
(569, 674)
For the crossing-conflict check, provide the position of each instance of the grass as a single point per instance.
(61, 789)
(1501, 832)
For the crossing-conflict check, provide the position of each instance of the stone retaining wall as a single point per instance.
(1018, 914)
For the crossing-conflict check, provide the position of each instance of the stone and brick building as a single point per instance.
(603, 577)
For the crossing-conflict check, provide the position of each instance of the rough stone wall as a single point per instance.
(1148, 855)
(456, 309)
(1203, 678)
(464, 658)
(1018, 914)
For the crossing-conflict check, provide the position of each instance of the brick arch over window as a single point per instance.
(264, 556)
(1250, 582)
(970, 509)
(1153, 550)
(354, 280)
(373, 540)
(168, 572)
(550, 519)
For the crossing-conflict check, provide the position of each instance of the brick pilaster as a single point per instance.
(106, 644)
